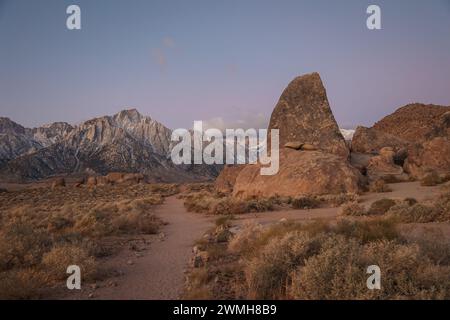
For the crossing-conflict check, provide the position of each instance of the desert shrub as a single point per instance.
(379, 186)
(204, 202)
(410, 201)
(22, 245)
(442, 205)
(305, 203)
(56, 261)
(199, 202)
(267, 275)
(432, 246)
(24, 283)
(224, 221)
(338, 199)
(243, 240)
(381, 206)
(368, 231)
(437, 211)
(339, 272)
(329, 261)
(352, 209)
(431, 179)
(165, 189)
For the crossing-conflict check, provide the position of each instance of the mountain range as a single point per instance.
(124, 142)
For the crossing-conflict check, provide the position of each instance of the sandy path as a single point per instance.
(159, 273)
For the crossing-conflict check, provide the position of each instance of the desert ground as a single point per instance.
(176, 242)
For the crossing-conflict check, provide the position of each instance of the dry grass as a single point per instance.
(42, 231)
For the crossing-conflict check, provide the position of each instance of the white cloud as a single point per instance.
(247, 121)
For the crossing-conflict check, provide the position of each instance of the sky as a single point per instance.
(225, 62)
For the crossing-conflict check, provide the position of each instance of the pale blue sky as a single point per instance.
(186, 60)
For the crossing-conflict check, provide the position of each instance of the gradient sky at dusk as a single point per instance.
(186, 60)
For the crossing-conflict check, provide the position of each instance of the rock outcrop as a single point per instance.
(227, 178)
(431, 156)
(300, 174)
(417, 133)
(415, 123)
(370, 140)
(303, 114)
(384, 167)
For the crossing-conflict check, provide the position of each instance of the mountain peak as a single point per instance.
(10, 127)
(129, 114)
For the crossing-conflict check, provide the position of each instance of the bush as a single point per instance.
(267, 274)
(339, 272)
(353, 209)
(368, 231)
(56, 261)
(305, 203)
(381, 206)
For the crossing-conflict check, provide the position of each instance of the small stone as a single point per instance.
(130, 262)
(91, 295)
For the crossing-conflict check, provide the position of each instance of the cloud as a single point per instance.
(169, 42)
(247, 121)
(160, 57)
(160, 53)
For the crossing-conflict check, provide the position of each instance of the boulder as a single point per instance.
(383, 166)
(91, 181)
(369, 140)
(227, 178)
(433, 155)
(114, 177)
(300, 174)
(132, 178)
(294, 145)
(300, 146)
(303, 114)
(59, 182)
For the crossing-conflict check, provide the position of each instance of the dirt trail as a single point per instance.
(159, 273)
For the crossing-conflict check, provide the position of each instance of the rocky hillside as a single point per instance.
(418, 135)
(414, 122)
(125, 142)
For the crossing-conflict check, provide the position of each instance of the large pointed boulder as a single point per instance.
(303, 114)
